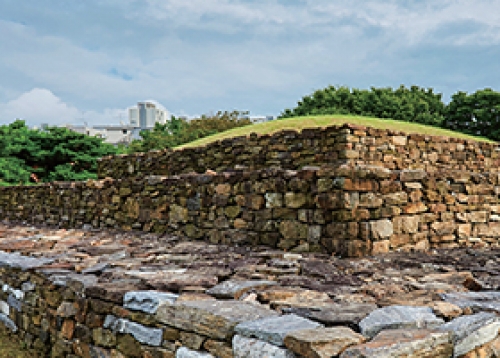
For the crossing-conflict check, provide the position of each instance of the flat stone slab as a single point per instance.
(146, 335)
(335, 314)
(244, 347)
(404, 343)
(147, 301)
(480, 301)
(23, 262)
(395, 317)
(322, 342)
(471, 332)
(215, 319)
(184, 352)
(274, 329)
(235, 289)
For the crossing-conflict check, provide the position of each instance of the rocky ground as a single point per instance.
(435, 304)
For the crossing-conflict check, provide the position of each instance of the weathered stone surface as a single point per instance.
(349, 314)
(395, 317)
(403, 344)
(22, 262)
(7, 322)
(67, 309)
(146, 335)
(147, 301)
(470, 332)
(412, 175)
(215, 319)
(244, 347)
(488, 301)
(184, 352)
(218, 349)
(382, 229)
(322, 342)
(274, 329)
(234, 289)
(446, 310)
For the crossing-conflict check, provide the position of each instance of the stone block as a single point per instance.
(274, 329)
(147, 301)
(396, 317)
(244, 347)
(143, 334)
(381, 229)
(404, 343)
(214, 319)
(322, 342)
(471, 332)
(235, 289)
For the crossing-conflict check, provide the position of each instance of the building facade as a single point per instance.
(146, 114)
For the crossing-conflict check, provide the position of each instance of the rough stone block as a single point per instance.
(395, 317)
(274, 329)
(322, 342)
(214, 319)
(145, 335)
(147, 301)
(404, 343)
(253, 348)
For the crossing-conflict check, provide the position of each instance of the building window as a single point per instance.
(124, 131)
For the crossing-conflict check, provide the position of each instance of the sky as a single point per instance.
(76, 61)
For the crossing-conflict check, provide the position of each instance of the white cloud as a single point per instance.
(37, 106)
(40, 105)
(410, 21)
(262, 55)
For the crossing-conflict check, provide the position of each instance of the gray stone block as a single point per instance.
(145, 335)
(470, 332)
(253, 348)
(275, 329)
(395, 317)
(214, 319)
(479, 301)
(184, 352)
(147, 301)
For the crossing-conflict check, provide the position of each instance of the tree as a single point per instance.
(477, 113)
(412, 104)
(49, 154)
(178, 131)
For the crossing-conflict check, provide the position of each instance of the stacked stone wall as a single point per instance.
(349, 211)
(319, 146)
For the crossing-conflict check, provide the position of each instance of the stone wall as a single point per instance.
(116, 295)
(348, 211)
(293, 150)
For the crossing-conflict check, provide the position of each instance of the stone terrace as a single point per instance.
(77, 293)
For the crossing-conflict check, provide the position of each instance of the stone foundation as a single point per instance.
(336, 145)
(102, 294)
(336, 210)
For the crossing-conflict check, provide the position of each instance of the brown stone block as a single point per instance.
(381, 247)
(68, 329)
(415, 208)
(218, 349)
(400, 240)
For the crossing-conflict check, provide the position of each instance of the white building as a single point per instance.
(110, 134)
(146, 114)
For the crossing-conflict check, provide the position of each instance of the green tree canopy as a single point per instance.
(477, 113)
(412, 104)
(178, 131)
(46, 155)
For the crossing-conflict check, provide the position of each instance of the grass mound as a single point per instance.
(299, 123)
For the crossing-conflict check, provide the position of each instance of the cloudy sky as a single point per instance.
(70, 61)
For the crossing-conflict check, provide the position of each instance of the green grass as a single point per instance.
(300, 123)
